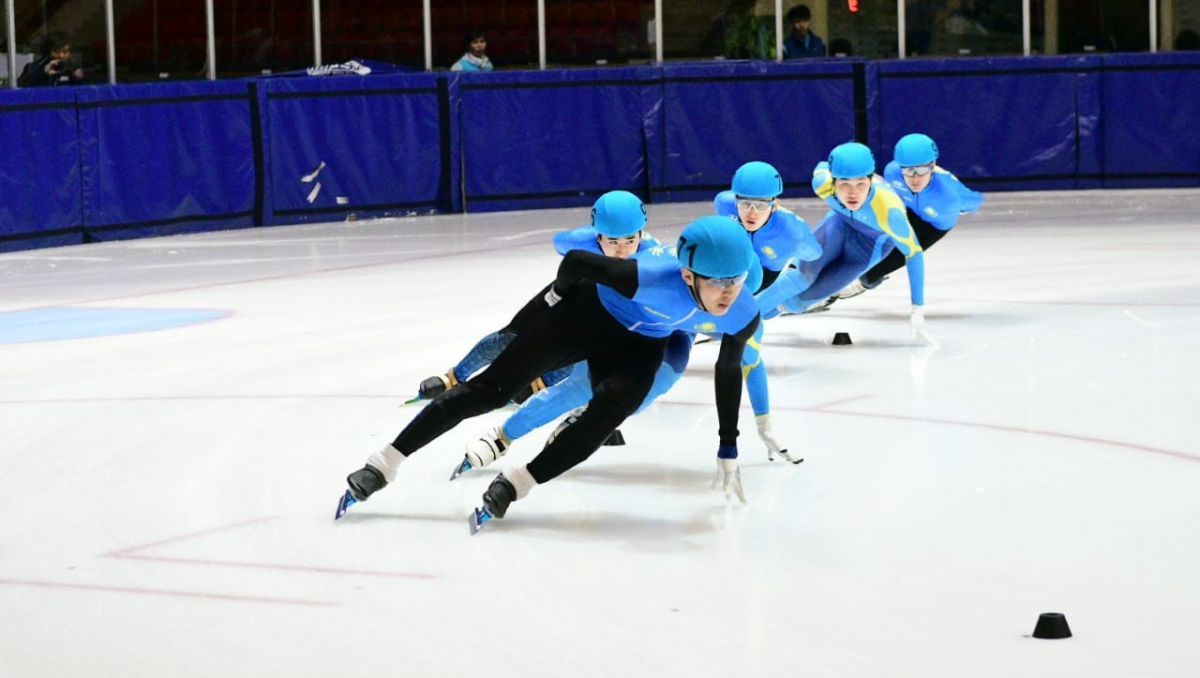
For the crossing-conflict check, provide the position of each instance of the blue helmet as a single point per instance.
(618, 214)
(850, 161)
(716, 247)
(757, 180)
(915, 149)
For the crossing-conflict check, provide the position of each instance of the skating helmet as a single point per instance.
(725, 204)
(716, 247)
(618, 214)
(915, 149)
(757, 180)
(850, 161)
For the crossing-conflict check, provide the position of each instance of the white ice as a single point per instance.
(170, 493)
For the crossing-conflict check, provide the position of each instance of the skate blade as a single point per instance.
(347, 501)
(478, 517)
(461, 468)
(784, 456)
(412, 401)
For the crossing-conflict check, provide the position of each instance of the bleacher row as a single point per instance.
(250, 37)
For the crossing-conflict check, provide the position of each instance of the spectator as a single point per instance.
(802, 42)
(476, 58)
(54, 67)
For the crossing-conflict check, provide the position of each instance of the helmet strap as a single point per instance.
(692, 287)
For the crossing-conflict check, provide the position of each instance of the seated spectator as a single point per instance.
(476, 58)
(802, 42)
(54, 67)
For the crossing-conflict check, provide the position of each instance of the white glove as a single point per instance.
(766, 435)
(552, 297)
(917, 325)
(729, 476)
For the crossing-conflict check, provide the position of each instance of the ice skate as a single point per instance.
(436, 385)
(496, 500)
(819, 306)
(858, 287)
(852, 290)
(363, 483)
(483, 451)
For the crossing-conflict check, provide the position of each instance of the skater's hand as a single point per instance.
(553, 296)
(822, 182)
(766, 435)
(917, 325)
(729, 476)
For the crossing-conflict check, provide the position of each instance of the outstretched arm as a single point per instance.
(619, 274)
(728, 382)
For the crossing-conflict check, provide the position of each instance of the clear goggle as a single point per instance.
(756, 204)
(917, 170)
(723, 283)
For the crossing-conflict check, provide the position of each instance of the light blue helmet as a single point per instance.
(618, 214)
(915, 149)
(757, 180)
(850, 161)
(716, 247)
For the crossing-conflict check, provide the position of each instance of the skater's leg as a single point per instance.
(546, 406)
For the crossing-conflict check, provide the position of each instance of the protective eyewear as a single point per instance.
(723, 283)
(758, 205)
(917, 170)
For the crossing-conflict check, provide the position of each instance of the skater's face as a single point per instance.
(716, 294)
(853, 192)
(621, 248)
(755, 212)
(918, 176)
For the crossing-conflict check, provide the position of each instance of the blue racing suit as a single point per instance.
(852, 241)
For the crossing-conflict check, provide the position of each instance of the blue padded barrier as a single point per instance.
(165, 158)
(41, 192)
(719, 115)
(1011, 123)
(1151, 124)
(558, 138)
(100, 162)
(374, 146)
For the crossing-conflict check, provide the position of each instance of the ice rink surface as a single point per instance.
(178, 416)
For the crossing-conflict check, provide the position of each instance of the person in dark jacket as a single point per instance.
(54, 67)
(802, 42)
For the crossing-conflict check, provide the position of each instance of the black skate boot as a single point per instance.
(498, 496)
(365, 482)
(437, 385)
(496, 499)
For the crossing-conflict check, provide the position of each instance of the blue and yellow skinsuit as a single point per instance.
(852, 241)
(939, 204)
(931, 213)
(576, 390)
(784, 239)
(584, 238)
